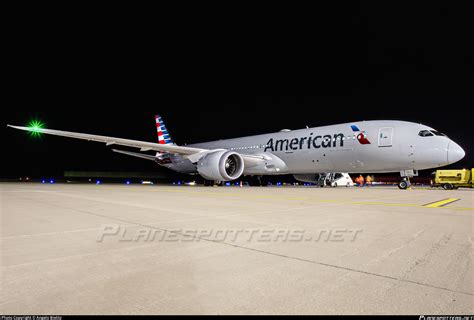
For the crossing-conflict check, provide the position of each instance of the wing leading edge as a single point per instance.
(193, 154)
(109, 141)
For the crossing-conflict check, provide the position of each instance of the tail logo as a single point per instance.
(361, 137)
(163, 135)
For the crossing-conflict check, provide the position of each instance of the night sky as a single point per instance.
(363, 62)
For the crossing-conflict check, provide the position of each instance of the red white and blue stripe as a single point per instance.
(163, 135)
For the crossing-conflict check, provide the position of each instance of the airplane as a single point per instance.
(377, 146)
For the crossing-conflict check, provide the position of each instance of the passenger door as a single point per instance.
(386, 137)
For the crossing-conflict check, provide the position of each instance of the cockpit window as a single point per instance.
(436, 133)
(425, 133)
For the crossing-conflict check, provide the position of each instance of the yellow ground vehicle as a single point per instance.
(453, 179)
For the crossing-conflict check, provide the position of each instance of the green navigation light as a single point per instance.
(35, 126)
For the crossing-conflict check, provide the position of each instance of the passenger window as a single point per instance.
(425, 133)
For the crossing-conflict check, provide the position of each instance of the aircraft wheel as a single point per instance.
(403, 185)
(448, 186)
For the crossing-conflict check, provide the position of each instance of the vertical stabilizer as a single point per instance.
(163, 134)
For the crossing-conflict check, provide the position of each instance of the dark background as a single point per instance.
(344, 63)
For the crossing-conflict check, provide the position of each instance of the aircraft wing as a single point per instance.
(194, 154)
(109, 141)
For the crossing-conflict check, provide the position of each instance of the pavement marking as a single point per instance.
(441, 203)
(462, 209)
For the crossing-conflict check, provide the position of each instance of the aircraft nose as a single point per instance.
(455, 153)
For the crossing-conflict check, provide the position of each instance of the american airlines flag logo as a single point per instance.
(361, 137)
(163, 135)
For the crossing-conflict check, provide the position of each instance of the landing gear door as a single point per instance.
(386, 137)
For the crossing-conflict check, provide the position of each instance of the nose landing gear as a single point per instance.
(404, 184)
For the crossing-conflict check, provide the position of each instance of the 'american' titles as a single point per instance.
(310, 142)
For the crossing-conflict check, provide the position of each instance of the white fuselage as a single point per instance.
(360, 147)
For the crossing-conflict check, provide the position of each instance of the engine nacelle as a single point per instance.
(221, 166)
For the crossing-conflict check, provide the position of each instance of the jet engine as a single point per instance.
(221, 166)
